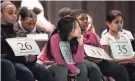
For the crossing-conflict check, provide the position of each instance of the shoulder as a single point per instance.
(55, 37)
(128, 33)
(104, 32)
(105, 39)
(106, 36)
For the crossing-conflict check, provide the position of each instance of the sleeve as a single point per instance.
(79, 56)
(104, 41)
(103, 33)
(57, 54)
(130, 35)
(41, 57)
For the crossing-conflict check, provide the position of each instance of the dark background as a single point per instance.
(97, 9)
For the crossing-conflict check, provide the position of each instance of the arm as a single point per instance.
(42, 58)
(57, 54)
(79, 56)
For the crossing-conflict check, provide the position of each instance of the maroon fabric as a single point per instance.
(91, 39)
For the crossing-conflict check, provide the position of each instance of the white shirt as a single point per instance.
(126, 32)
(107, 37)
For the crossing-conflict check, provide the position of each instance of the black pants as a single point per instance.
(117, 71)
(26, 73)
(7, 71)
(106, 68)
(131, 71)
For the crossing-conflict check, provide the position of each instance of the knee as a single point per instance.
(83, 69)
(62, 77)
(27, 73)
(6, 63)
(23, 71)
(7, 66)
(122, 70)
(92, 67)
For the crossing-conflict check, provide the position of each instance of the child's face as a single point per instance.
(9, 14)
(116, 24)
(28, 23)
(83, 20)
(76, 31)
(90, 22)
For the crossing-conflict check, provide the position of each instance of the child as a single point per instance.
(114, 23)
(8, 17)
(94, 65)
(66, 37)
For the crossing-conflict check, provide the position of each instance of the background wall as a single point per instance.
(97, 9)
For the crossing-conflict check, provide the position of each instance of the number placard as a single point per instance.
(23, 46)
(95, 52)
(121, 49)
(66, 52)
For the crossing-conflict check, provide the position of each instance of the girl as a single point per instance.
(8, 17)
(26, 67)
(27, 22)
(42, 22)
(114, 23)
(65, 47)
(94, 65)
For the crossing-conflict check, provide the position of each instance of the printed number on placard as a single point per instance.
(95, 52)
(25, 46)
(121, 49)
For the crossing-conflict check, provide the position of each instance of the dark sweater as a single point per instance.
(6, 51)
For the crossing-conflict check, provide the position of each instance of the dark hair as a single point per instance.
(64, 27)
(112, 15)
(24, 12)
(64, 12)
(76, 12)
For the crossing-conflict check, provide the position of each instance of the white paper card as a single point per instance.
(23, 46)
(39, 37)
(121, 49)
(66, 52)
(95, 52)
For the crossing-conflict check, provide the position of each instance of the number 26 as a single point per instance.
(25, 46)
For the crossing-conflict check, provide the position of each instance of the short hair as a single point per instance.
(64, 12)
(77, 12)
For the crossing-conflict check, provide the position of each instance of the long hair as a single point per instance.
(64, 27)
